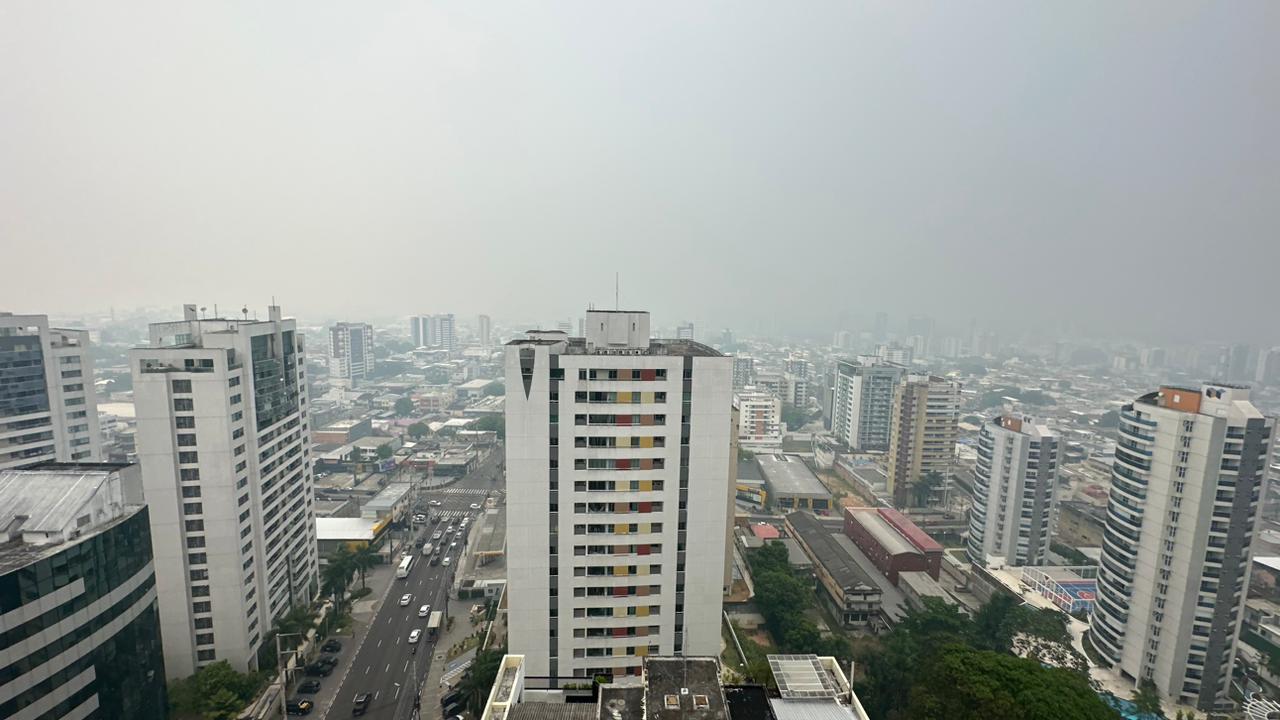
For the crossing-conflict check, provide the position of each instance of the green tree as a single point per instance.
(1146, 700)
(963, 683)
(926, 486)
(495, 389)
(418, 430)
(222, 705)
(492, 422)
(479, 679)
(404, 407)
(336, 576)
(385, 451)
(363, 560)
(794, 417)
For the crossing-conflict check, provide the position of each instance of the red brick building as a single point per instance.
(892, 542)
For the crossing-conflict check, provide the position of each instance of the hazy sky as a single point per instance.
(1099, 163)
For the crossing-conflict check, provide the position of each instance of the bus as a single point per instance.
(406, 565)
(433, 624)
(426, 549)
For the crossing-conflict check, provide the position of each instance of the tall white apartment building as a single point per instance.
(619, 482)
(223, 443)
(1186, 485)
(759, 420)
(795, 390)
(485, 330)
(799, 367)
(434, 331)
(47, 407)
(862, 402)
(684, 331)
(744, 371)
(1014, 493)
(351, 351)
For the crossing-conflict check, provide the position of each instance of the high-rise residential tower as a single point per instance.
(47, 405)
(744, 371)
(351, 351)
(759, 419)
(922, 443)
(81, 632)
(484, 328)
(684, 331)
(1182, 515)
(223, 440)
(862, 402)
(434, 331)
(619, 457)
(1014, 492)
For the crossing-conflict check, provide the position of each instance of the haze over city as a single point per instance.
(1032, 156)
(668, 361)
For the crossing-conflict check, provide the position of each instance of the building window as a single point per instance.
(182, 386)
(184, 422)
(234, 381)
(235, 399)
(192, 509)
(191, 491)
(183, 405)
(237, 433)
(189, 457)
(195, 525)
(203, 623)
(203, 606)
(237, 416)
(206, 655)
(189, 474)
(186, 440)
(197, 558)
(199, 575)
(195, 541)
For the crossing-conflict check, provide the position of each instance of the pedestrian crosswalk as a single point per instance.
(462, 491)
(454, 514)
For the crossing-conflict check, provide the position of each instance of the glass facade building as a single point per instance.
(93, 601)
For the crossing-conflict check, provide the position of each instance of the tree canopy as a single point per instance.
(492, 422)
(937, 663)
(215, 692)
(783, 599)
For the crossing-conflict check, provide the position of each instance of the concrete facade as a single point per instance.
(926, 416)
(223, 440)
(862, 403)
(759, 420)
(619, 484)
(1014, 493)
(48, 410)
(1187, 479)
(351, 351)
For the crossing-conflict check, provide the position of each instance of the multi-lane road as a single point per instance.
(385, 664)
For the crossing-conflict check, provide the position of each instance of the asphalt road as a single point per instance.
(384, 664)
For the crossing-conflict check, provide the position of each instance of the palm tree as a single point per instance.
(363, 560)
(923, 489)
(337, 575)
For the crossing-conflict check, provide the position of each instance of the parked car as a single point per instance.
(361, 704)
(424, 611)
(414, 635)
(475, 506)
(332, 645)
(309, 687)
(317, 669)
(405, 599)
(299, 707)
(329, 660)
(434, 503)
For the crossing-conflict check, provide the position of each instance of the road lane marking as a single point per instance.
(388, 668)
(406, 666)
(367, 668)
(379, 643)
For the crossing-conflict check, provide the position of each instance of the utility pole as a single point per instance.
(283, 673)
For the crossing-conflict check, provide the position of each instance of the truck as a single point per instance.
(426, 549)
(433, 624)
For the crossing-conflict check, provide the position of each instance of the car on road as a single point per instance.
(414, 635)
(453, 545)
(419, 519)
(475, 506)
(309, 687)
(447, 560)
(437, 535)
(434, 503)
(405, 599)
(332, 645)
(424, 611)
(299, 707)
(361, 704)
(317, 669)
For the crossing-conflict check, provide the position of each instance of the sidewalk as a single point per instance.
(363, 611)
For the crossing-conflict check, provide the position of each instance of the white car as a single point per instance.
(453, 545)
(475, 506)
(424, 611)
(446, 561)
(414, 635)
(434, 503)
(405, 599)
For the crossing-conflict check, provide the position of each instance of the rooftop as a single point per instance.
(680, 688)
(883, 532)
(349, 529)
(829, 553)
(788, 475)
(669, 346)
